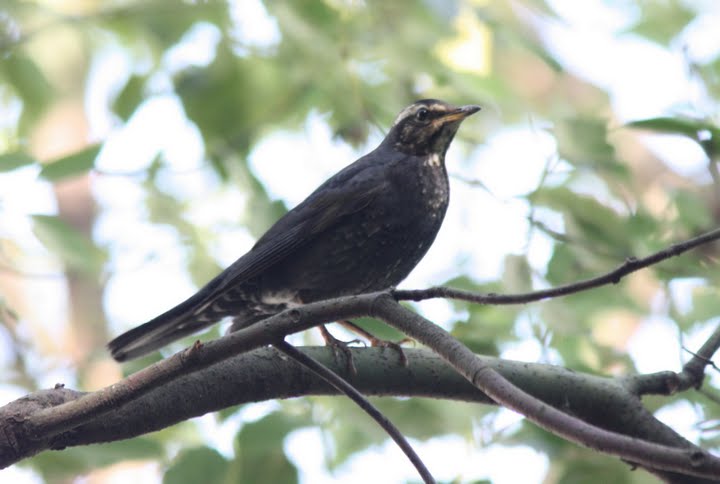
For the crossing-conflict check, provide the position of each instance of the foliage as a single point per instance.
(604, 195)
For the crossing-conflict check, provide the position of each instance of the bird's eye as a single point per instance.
(422, 114)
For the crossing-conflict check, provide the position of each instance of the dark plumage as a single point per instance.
(362, 230)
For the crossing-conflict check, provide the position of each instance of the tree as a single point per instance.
(600, 196)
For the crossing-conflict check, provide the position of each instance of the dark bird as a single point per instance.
(362, 230)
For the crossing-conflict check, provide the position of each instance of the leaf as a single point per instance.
(686, 126)
(563, 266)
(517, 274)
(588, 220)
(14, 160)
(75, 249)
(260, 449)
(167, 210)
(705, 305)
(379, 329)
(661, 22)
(486, 328)
(583, 142)
(590, 469)
(200, 464)
(30, 84)
(80, 460)
(693, 210)
(129, 97)
(425, 418)
(72, 165)
(579, 138)
(705, 133)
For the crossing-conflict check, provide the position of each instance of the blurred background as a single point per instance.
(145, 145)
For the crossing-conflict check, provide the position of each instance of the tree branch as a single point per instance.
(693, 371)
(264, 374)
(630, 265)
(668, 382)
(694, 462)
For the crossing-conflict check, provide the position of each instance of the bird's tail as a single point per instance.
(186, 318)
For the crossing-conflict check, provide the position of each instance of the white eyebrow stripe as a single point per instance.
(408, 111)
(414, 108)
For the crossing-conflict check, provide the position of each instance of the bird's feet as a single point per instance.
(337, 346)
(393, 345)
(378, 342)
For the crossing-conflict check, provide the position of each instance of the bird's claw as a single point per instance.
(338, 346)
(393, 345)
(377, 342)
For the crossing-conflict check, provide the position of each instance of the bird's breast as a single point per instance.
(425, 186)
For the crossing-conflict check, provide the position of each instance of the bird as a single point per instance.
(362, 230)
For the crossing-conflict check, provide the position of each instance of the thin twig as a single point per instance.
(694, 370)
(343, 386)
(630, 265)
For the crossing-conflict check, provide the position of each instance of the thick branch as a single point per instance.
(264, 374)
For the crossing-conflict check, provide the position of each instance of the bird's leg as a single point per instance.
(338, 347)
(377, 342)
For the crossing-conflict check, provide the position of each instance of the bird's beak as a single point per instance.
(459, 114)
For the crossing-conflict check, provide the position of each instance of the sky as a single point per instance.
(510, 164)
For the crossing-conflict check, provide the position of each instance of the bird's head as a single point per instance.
(427, 127)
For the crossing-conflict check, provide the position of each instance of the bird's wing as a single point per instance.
(309, 220)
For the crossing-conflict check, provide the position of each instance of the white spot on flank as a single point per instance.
(283, 297)
(433, 160)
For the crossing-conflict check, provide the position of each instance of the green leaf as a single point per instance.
(379, 329)
(200, 464)
(129, 97)
(661, 22)
(563, 266)
(260, 449)
(485, 328)
(72, 165)
(29, 83)
(705, 133)
(517, 274)
(168, 210)
(75, 249)
(424, 418)
(583, 142)
(686, 126)
(148, 21)
(75, 461)
(14, 160)
(589, 222)
(706, 304)
(582, 137)
(590, 468)
(694, 212)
